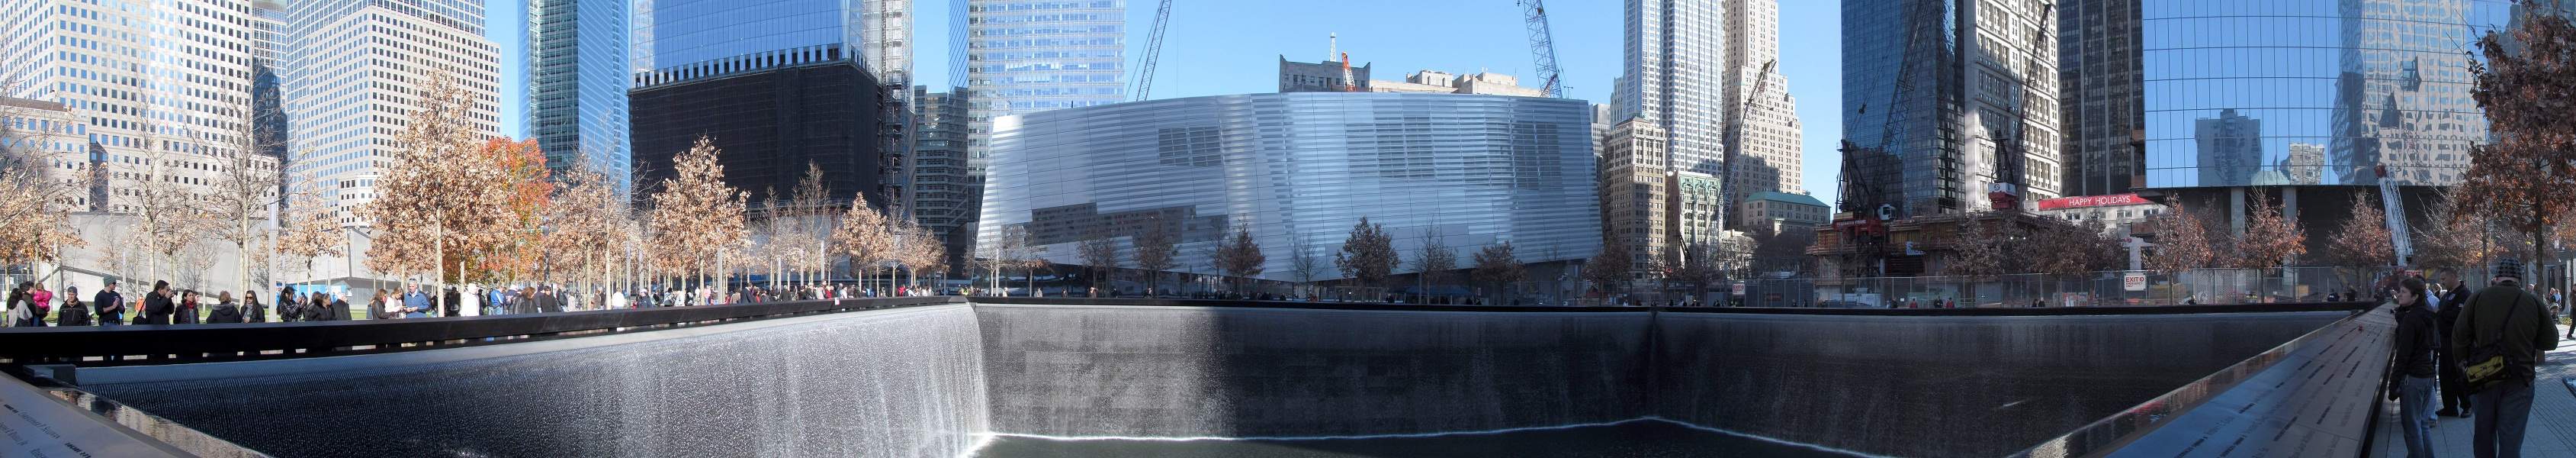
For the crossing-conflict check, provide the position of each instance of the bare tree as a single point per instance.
(1102, 254)
(1157, 250)
(171, 216)
(35, 215)
(1697, 268)
(2450, 240)
(307, 227)
(1306, 265)
(244, 194)
(1368, 256)
(1611, 267)
(1498, 268)
(1433, 262)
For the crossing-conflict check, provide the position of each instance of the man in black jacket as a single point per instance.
(2410, 370)
(156, 305)
(110, 305)
(2455, 395)
(2514, 325)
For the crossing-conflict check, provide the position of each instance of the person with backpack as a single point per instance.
(2410, 366)
(2503, 331)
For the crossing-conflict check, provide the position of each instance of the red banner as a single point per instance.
(2092, 201)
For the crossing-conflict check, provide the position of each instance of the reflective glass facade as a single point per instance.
(1943, 99)
(1299, 169)
(2301, 92)
(577, 85)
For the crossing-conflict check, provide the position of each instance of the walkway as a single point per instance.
(2553, 417)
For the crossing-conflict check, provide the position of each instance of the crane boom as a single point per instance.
(1542, 46)
(1144, 84)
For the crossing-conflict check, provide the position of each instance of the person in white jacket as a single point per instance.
(469, 302)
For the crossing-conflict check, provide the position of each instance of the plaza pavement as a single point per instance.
(2552, 431)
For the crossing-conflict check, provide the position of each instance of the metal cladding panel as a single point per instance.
(1300, 169)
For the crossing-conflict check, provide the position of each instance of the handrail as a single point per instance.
(165, 344)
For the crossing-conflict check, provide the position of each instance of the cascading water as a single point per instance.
(1045, 380)
(891, 383)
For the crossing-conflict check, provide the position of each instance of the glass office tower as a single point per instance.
(1298, 170)
(1945, 100)
(2281, 92)
(577, 81)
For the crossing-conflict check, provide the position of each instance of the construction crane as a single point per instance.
(2012, 163)
(1542, 46)
(1144, 84)
(1735, 142)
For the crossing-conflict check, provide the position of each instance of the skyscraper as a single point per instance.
(775, 85)
(2097, 74)
(1968, 90)
(1771, 152)
(158, 91)
(353, 73)
(2231, 148)
(1671, 47)
(945, 196)
(577, 78)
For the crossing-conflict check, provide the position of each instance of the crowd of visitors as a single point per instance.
(2474, 350)
(30, 304)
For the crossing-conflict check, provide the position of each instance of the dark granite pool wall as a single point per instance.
(1188, 371)
(1940, 386)
(888, 383)
(1898, 385)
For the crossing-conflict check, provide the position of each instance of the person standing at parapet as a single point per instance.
(2410, 371)
(2503, 331)
(111, 306)
(156, 305)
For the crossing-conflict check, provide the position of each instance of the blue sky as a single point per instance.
(1218, 47)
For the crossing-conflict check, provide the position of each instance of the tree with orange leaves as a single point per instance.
(528, 189)
(442, 192)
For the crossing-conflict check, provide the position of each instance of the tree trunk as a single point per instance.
(2539, 245)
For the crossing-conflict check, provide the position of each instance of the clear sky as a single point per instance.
(1232, 47)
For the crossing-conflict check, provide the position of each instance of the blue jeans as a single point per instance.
(2414, 407)
(2504, 409)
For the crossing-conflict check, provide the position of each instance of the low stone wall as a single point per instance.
(900, 382)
